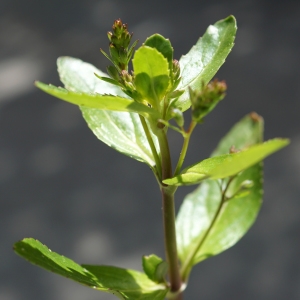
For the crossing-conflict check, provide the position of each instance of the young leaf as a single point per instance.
(202, 62)
(162, 45)
(227, 165)
(206, 224)
(120, 130)
(104, 102)
(155, 268)
(151, 74)
(123, 283)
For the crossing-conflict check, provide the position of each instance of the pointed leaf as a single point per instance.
(207, 225)
(155, 268)
(202, 62)
(152, 66)
(103, 102)
(123, 283)
(120, 130)
(227, 165)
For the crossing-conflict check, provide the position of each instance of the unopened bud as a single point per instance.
(109, 35)
(205, 100)
(233, 149)
(126, 76)
(176, 69)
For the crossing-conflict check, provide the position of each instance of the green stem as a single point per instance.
(184, 147)
(168, 207)
(152, 146)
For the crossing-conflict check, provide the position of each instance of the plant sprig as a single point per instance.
(131, 111)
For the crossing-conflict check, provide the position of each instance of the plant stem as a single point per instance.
(184, 147)
(152, 146)
(169, 217)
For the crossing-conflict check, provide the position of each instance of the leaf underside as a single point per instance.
(123, 283)
(120, 130)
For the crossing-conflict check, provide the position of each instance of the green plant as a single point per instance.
(132, 112)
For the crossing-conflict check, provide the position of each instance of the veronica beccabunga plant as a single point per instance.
(131, 111)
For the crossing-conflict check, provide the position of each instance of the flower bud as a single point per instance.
(176, 69)
(205, 100)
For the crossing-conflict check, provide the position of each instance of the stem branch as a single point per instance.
(152, 146)
(184, 147)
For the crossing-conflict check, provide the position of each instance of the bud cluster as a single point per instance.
(176, 73)
(120, 55)
(118, 47)
(205, 100)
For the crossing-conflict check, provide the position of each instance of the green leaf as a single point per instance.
(120, 130)
(123, 283)
(103, 102)
(151, 74)
(227, 165)
(162, 45)
(155, 268)
(203, 61)
(207, 225)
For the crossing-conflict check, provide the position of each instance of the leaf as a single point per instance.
(103, 102)
(202, 62)
(206, 225)
(151, 66)
(155, 268)
(120, 130)
(123, 283)
(227, 165)
(162, 45)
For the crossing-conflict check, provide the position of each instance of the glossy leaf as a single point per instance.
(162, 45)
(151, 74)
(123, 283)
(202, 62)
(206, 225)
(155, 268)
(227, 165)
(120, 130)
(103, 102)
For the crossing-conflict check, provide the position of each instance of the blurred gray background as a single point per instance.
(62, 186)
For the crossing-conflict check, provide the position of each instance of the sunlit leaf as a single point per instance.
(206, 223)
(120, 130)
(202, 62)
(162, 45)
(123, 283)
(103, 102)
(151, 74)
(227, 165)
